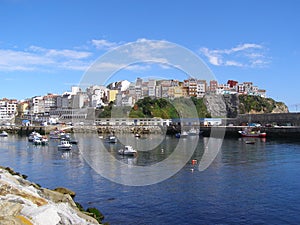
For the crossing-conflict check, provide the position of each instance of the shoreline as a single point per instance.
(230, 131)
(25, 202)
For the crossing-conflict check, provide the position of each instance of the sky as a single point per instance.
(48, 46)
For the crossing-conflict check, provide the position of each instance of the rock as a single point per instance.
(6, 189)
(58, 197)
(23, 203)
(44, 215)
(65, 191)
(215, 105)
(10, 209)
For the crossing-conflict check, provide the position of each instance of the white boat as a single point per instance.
(111, 139)
(127, 150)
(193, 132)
(184, 134)
(34, 135)
(64, 145)
(37, 141)
(44, 140)
(3, 134)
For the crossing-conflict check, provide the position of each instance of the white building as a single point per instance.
(8, 109)
(38, 105)
(201, 88)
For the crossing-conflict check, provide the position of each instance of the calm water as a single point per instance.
(245, 184)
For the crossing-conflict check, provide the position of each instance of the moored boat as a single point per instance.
(183, 134)
(64, 145)
(34, 136)
(36, 141)
(44, 140)
(111, 139)
(127, 150)
(252, 133)
(3, 134)
(193, 132)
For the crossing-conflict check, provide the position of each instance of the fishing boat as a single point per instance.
(64, 145)
(127, 150)
(256, 133)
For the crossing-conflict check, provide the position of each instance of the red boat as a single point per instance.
(253, 133)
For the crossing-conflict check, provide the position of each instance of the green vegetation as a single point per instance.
(250, 103)
(165, 109)
(148, 107)
(94, 212)
(183, 107)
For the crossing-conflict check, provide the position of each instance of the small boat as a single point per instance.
(184, 134)
(44, 140)
(193, 132)
(34, 135)
(137, 135)
(3, 134)
(127, 150)
(111, 139)
(252, 133)
(64, 145)
(73, 141)
(36, 141)
(58, 134)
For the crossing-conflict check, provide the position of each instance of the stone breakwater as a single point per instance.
(26, 203)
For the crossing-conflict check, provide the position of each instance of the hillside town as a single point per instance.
(77, 102)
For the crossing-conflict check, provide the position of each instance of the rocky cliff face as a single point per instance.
(222, 105)
(25, 203)
(280, 108)
(230, 106)
(215, 105)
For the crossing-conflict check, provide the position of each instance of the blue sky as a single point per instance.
(46, 46)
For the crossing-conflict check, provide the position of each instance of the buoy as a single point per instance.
(194, 161)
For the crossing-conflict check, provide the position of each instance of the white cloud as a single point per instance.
(243, 55)
(36, 58)
(233, 63)
(137, 67)
(104, 44)
(213, 58)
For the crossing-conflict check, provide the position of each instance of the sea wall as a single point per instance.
(267, 118)
(272, 132)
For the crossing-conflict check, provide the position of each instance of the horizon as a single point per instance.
(47, 47)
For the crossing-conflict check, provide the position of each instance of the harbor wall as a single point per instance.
(281, 119)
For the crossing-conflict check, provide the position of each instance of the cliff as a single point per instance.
(25, 203)
(233, 105)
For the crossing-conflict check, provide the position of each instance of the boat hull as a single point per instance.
(254, 135)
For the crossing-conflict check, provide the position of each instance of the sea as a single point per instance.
(239, 182)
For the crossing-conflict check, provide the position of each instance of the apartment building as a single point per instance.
(8, 109)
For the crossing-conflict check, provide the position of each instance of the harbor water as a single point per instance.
(257, 183)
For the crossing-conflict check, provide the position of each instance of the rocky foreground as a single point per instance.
(26, 203)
